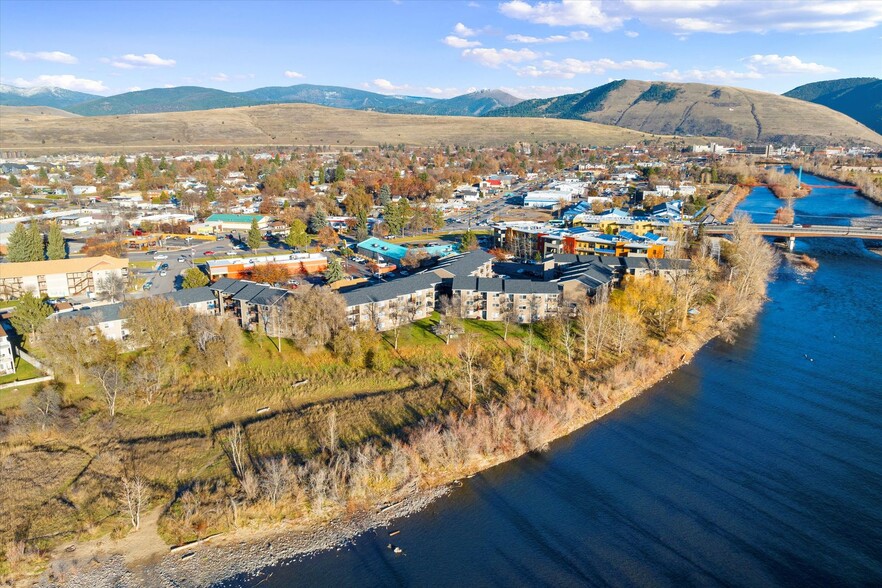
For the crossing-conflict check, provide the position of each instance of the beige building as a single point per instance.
(60, 277)
(386, 305)
(7, 359)
(489, 298)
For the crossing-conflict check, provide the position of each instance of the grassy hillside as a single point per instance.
(859, 98)
(700, 109)
(161, 100)
(293, 124)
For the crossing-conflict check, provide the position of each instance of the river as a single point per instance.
(758, 464)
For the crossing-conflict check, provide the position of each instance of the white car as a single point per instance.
(181, 260)
(163, 273)
(232, 252)
(160, 256)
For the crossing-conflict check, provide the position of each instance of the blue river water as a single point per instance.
(758, 464)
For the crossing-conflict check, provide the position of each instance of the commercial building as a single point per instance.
(241, 267)
(61, 277)
(226, 223)
(381, 250)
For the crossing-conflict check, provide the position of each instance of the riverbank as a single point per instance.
(864, 187)
(247, 551)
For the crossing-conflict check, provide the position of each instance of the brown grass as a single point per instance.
(292, 124)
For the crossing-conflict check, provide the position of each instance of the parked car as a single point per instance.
(209, 252)
(232, 252)
(148, 285)
(160, 256)
(181, 259)
(163, 273)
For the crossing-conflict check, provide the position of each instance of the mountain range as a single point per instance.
(859, 98)
(663, 108)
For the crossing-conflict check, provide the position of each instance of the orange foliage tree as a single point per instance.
(270, 273)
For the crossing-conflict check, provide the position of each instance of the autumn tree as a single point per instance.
(194, 278)
(413, 258)
(313, 316)
(270, 273)
(327, 237)
(156, 324)
(70, 344)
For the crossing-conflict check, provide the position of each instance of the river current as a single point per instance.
(758, 464)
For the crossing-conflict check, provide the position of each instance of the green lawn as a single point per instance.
(23, 371)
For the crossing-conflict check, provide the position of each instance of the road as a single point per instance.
(803, 231)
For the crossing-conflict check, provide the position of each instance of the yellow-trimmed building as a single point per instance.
(60, 277)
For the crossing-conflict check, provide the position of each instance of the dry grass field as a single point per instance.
(288, 124)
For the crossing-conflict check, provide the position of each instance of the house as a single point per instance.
(104, 319)
(488, 298)
(389, 304)
(7, 359)
(198, 300)
(60, 277)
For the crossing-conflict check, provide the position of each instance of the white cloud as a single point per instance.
(221, 77)
(473, 5)
(566, 13)
(293, 74)
(387, 86)
(464, 31)
(459, 42)
(496, 57)
(570, 67)
(786, 64)
(574, 36)
(710, 75)
(134, 89)
(130, 60)
(632, 34)
(53, 56)
(66, 81)
(705, 16)
(384, 86)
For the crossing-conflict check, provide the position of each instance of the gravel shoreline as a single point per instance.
(207, 564)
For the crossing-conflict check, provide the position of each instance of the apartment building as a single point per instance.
(489, 298)
(389, 304)
(60, 277)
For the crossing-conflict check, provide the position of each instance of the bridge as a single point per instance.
(791, 232)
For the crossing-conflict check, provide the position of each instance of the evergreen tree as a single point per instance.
(19, 247)
(43, 175)
(468, 242)
(163, 164)
(297, 237)
(339, 173)
(38, 248)
(385, 195)
(121, 162)
(13, 181)
(318, 220)
(392, 218)
(139, 168)
(56, 248)
(335, 272)
(30, 312)
(361, 225)
(100, 171)
(194, 278)
(254, 237)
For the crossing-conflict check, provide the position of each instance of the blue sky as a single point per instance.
(441, 49)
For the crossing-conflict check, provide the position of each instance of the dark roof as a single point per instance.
(236, 287)
(190, 296)
(268, 296)
(478, 284)
(530, 287)
(465, 263)
(392, 289)
(221, 283)
(96, 314)
(248, 292)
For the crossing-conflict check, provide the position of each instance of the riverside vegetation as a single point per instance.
(329, 423)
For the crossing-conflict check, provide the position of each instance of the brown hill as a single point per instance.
(701, 109)
(290, 124)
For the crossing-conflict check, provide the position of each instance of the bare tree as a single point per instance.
(134, 495)
(468, 354)
(236, 450)
(592, 319)
(148, 374)
(507, 314)
(331, 438)
(449, 323)
(112, 287)
(42, 408)
(625, 329)
(275, 479)
(111, 380)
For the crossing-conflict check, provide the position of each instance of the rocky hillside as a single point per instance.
(700, 109)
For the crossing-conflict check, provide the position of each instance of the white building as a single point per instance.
(7, 359)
